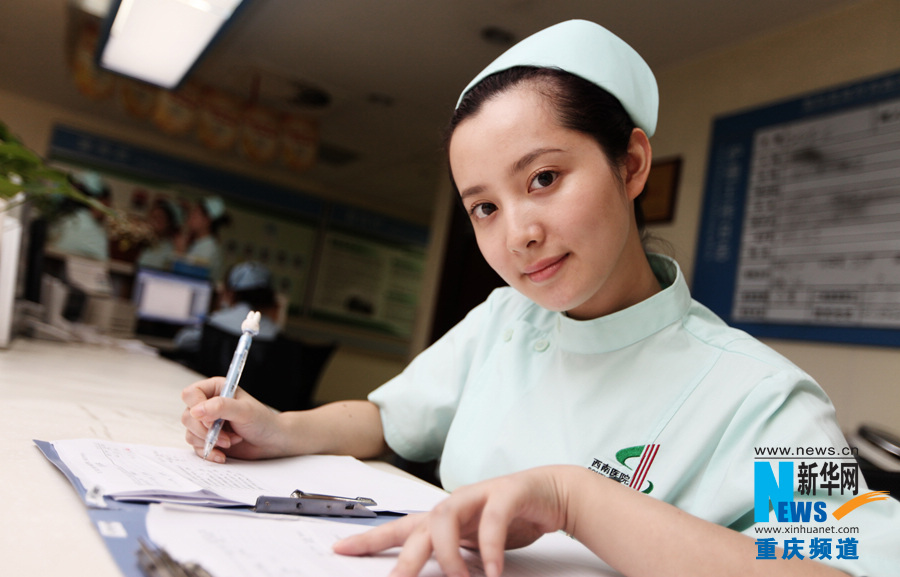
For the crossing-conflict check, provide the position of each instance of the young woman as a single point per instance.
(199, 244)
(165, 218)
(591, 395)
(82, 230)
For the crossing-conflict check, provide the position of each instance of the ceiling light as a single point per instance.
(159, 41)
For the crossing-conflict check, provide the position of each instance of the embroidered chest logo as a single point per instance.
(633, 474)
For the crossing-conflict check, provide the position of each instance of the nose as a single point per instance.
(525, 229)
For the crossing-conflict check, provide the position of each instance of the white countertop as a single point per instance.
(51, 391)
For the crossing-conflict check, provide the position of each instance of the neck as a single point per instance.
(631, 282)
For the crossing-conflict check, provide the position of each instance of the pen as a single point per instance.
(249, 329)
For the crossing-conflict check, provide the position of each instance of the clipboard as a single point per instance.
(300, 503)
(123, 525)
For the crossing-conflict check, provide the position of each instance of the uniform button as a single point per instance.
(541, 345)
(507, 335)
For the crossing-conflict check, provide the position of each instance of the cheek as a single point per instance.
(493, 251)
(606, 214)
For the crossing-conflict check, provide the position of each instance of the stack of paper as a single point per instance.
(131, 472)
(229, 545)
(234, 542)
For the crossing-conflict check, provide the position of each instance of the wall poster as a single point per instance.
(800, 233)
(368, 282)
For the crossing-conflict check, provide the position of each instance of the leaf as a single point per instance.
(8, 189)
(11, 152)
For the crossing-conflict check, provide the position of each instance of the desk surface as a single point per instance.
(51, 391)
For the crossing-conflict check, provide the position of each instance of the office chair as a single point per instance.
(282, 373)
(878, 455)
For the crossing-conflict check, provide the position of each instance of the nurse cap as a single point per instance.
(594, 53)
(249, 275)
(174, 211)
(90, 183)
(214, 207)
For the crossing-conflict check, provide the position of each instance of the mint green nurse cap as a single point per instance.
(594, 53)
(91, 183)
(214, 207)
(249, 275)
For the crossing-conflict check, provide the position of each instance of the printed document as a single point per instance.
(230, 545)
(132, 472)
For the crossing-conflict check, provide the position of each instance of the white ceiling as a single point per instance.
(416, 53)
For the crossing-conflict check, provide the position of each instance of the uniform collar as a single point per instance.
(637, 322)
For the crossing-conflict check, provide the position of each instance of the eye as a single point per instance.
(543, 179)
(482, 210)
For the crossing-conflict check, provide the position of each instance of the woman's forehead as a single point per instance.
(516, 109)
(507, 137)
(509, 120)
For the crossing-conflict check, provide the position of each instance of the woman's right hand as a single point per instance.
(251, 431)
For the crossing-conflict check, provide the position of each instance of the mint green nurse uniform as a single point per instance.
(79, 233)
(206, 252)
(663, 396)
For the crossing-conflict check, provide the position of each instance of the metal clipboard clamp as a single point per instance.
(300, 503)
(156, 562)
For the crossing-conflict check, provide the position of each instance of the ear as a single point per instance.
(637, 163)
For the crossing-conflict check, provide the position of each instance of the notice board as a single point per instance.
(800, 231)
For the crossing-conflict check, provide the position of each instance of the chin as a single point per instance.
(555, 301)
(554, 305)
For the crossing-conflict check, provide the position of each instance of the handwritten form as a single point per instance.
(135, 472)
(229, 545)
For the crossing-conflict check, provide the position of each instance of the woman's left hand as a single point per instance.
(492, 516)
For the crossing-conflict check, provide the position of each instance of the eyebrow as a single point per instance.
(530, 157)
(517, 167)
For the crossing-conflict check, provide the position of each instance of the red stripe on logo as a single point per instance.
(647, 456)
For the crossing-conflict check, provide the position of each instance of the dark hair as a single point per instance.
(578, 104)
(215, 223)
(258, 298)
(172, 227)
(64, 205)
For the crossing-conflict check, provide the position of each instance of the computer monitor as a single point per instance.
(171, 298)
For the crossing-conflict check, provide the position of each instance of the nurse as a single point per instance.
(248, 287)
(83, 230)
(198, 244)
(165, 218)
(593, 394)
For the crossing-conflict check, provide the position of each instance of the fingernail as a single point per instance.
(198, 411)
(492, 570)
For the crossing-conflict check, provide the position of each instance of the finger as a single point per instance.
(415, 553)
(201, 390)
(197, 420)
(445, 528)
(389, 535)
(191, 424)
(492, 533)
(195, 435)
(199, 446)
(208, 411)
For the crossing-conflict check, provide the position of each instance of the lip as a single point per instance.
(545, 268)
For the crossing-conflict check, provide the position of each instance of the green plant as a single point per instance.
(22, 170)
